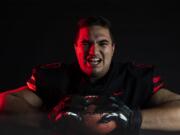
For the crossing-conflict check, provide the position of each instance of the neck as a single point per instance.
(94, 79)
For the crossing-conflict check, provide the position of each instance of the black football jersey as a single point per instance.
(133, 83)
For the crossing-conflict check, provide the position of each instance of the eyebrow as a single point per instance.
(85, 41)
(103, 40)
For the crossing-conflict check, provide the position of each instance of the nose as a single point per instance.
(94, 49)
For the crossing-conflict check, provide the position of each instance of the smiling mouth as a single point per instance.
(94, 61)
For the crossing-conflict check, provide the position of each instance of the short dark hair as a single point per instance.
(91, 21)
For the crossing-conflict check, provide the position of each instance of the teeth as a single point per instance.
(94, 60)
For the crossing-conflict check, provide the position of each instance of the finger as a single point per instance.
(116, 100)
(112, 98)
(108, 108)
(74, 115)
(108, 117)
(113, 107)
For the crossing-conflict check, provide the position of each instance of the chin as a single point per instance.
(98, 73)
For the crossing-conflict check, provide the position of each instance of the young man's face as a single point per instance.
(94, 50)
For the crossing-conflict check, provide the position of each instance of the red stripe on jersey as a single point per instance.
(31, 86)
(31, 83)
(156, 88)
(156, 79)
(33, 78)
(117, 93)
(2, 101)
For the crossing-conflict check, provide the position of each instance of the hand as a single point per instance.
(78, 112)
(116, 110)
(69, 107)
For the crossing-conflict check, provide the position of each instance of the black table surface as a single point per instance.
(11, 126)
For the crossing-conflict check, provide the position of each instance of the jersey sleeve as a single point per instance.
(157, 80)
(31, 83)
(39, 74)
(147, 81)
(152, 76)
(49, 82)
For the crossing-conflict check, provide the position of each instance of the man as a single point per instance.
(133, 96)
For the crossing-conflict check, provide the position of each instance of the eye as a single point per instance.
(103, 43)
(85, 44)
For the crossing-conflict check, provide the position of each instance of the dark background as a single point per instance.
(37, 32)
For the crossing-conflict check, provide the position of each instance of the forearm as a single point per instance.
(164, 117)
(16, 110)
(14, 104)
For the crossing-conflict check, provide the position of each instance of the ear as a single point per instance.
(75, 45)
(75, 48)
(113, 46)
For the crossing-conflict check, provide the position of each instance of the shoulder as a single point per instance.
(49, 66)
(141, 67)
(56, 66)
(49, 81)
(147, 74)
(134, 73)
(42, 71)
(135, 69)
(48, 74)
